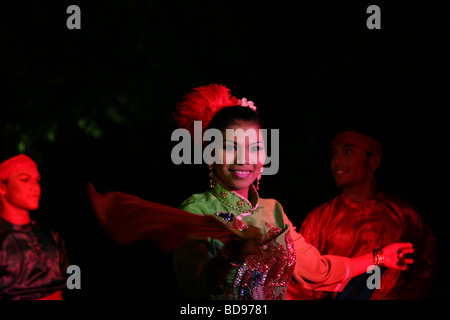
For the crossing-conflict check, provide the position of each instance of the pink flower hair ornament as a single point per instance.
(245, 103)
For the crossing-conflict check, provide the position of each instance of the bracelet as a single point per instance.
(378, 257)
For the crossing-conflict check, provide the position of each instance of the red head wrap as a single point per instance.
(359, 139)
(15, 163)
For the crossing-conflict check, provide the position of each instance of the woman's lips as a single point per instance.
(241, 173)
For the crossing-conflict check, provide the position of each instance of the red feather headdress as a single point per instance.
(202, 104)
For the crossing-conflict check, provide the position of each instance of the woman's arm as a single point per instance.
(331, 273)
(393, 256)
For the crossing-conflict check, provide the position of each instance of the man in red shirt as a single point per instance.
(363, 218)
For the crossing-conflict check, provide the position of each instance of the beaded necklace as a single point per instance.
(224, 195)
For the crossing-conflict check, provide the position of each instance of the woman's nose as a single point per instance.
(242, 156)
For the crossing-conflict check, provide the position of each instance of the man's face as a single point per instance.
(22, 188)
(350, 165)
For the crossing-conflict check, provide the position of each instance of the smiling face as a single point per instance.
(22, 188)
(352, 165)
(243, 156)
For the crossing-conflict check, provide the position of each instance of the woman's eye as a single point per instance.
(257, 148)
(229, 147)
(348, 151)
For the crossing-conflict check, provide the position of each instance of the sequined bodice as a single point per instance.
(266, 274)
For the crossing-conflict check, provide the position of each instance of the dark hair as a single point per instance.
(230, 115)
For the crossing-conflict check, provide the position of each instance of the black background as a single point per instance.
(96, 105)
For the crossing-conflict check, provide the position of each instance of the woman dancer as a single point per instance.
(263, 251)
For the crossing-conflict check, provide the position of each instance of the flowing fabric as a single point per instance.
(128, 219)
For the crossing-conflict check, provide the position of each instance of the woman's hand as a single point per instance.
(248, 242)
(394, 255)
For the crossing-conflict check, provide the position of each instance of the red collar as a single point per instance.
(364, 204)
